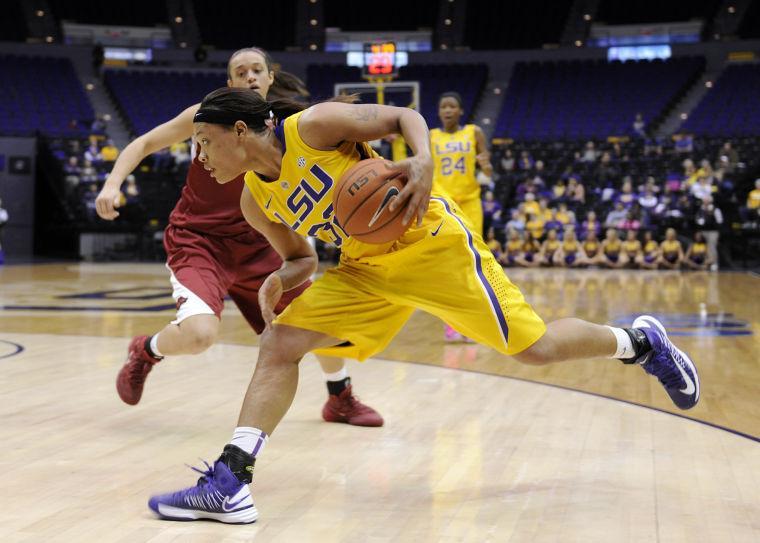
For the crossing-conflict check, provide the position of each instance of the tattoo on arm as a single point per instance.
(364, 113)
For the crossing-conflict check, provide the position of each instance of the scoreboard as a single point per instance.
(380, 60)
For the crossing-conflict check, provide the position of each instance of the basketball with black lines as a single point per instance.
(362, 202)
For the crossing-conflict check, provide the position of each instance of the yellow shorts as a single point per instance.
(473, 210)
(441, 268)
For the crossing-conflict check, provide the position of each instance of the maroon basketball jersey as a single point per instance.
(209, 207)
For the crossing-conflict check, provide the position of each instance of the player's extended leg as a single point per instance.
(222, 493)
(342, 405)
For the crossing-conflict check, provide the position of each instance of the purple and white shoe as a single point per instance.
(673, 367)
(219, 495)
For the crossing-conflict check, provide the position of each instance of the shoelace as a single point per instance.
(206, 474)
(669, 376)
(137, 373)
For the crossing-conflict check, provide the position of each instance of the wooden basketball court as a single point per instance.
(475, 448)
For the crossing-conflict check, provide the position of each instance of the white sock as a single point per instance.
(154, 345)
(251, 440)
(337, 376)
(625, 348)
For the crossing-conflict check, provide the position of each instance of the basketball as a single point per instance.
(362, 200)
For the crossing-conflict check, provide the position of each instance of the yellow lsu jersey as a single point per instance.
(454, 158)
(368, 297)
(302, 198)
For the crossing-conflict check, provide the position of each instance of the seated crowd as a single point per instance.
(615, 204)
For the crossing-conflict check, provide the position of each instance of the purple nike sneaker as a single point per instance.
(221, 494)
(673, 367)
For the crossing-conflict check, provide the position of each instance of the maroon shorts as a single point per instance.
(205, 269)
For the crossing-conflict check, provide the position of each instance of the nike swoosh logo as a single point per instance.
(435, 232)
(232, 506)
(393, 191)
(266, 206)
(690, 386)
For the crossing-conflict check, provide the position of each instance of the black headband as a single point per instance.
(227, 118)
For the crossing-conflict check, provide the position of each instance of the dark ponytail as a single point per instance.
(228, 105)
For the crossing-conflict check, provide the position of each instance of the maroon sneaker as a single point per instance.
(348, 409)
(131, 378)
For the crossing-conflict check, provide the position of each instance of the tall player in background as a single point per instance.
(456, 149)
(212, 251)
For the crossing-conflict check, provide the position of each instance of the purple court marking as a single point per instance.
(596, 394)
(18, 349)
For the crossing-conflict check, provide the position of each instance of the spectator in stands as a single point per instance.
(589, 153)
(543, 209)
(99, 125)
(508, 161)
(752, 210)
(131, 191)
(109, 152)
(72, 173)
(612, 255)
(651, 185)
(3, 221)
(558, 190)
(729, 157)
(549, 248)
(538, 178)
(529, 258)
(606, 172)
(615, 216)
(566, 216)
(697, 256)
(627, 196)
(491, 212)
(671, 252)
(180, 151)
(534, 225)
(88, 173)
(513, 248)
(684, 143)
(673, 183)
(702, 188)
(526, 162)
(575, 192)
(92, 153)
(690, 173)
(569, 253)
(531, 205)
(631, 221)
(709, 219)
(88, 199)
(639, 125)
(632, 248)
(592, 253)
(590, 225)
(553, 223)
(650, 257)
(648, 201)
(516, 223)
(494, 244)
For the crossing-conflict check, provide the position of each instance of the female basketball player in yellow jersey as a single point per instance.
(456, 149)
(438, 266)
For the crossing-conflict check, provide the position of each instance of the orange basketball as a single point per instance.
(361, 202)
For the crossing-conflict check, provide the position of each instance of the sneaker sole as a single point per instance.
(244, 516)
(651, 320)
